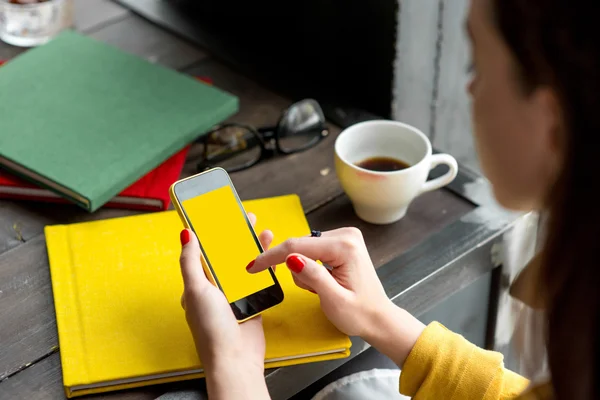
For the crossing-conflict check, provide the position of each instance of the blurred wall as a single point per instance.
(430, 74)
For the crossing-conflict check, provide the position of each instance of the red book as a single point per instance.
(150, 193)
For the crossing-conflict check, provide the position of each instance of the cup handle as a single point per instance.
(445, 179)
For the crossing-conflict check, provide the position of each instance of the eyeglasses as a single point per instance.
(235, 147)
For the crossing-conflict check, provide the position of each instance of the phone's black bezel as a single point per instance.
(255, 303)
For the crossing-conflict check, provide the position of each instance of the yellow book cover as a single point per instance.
(117, 288)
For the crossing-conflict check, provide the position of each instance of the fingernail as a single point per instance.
(250, 265)
(184, 236)
(295, 263)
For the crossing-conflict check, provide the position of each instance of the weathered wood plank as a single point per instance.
(18, 224)
(415, 67)
(7, 51)
(89, 15)
(137, 36)
(28, 328)
(41, 381)
(21, 221)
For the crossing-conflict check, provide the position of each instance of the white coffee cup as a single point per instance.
(384, 197)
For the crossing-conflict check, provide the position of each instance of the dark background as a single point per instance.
(340, 52)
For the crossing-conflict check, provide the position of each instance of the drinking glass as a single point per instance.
(28, 23)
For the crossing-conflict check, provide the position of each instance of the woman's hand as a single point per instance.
(232, 354)
(351, 294)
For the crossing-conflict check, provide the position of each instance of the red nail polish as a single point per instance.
(184, 237)
(295, 263)
(250, 265)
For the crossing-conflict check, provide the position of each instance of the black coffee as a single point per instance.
(383, 164)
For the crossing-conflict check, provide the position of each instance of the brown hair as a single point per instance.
(556, 44)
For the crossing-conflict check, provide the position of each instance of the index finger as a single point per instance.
(325, 249)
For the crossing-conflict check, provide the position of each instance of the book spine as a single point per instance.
(41, 184)
(45, 196)
(66, 305)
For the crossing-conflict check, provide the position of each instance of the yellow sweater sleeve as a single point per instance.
(444, 365)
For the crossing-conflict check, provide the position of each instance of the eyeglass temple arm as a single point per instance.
(269, 132)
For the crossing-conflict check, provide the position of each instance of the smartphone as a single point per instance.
(208, 204)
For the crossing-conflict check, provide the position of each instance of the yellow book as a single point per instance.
(117, 287)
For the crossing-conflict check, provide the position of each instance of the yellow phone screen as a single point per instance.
(227, 241)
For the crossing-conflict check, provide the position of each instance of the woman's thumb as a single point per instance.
(191, 266)
(312, 274)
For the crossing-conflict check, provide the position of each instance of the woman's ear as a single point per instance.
(551, 129)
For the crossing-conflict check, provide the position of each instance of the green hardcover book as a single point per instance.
(87, 120)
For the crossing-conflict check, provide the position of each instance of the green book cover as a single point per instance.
(87, 120)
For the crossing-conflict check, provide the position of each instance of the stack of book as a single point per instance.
(84, 122)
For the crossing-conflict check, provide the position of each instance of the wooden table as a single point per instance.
(441, 246)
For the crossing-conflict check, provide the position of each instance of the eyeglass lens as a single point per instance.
(301, 126)
(232, 148)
